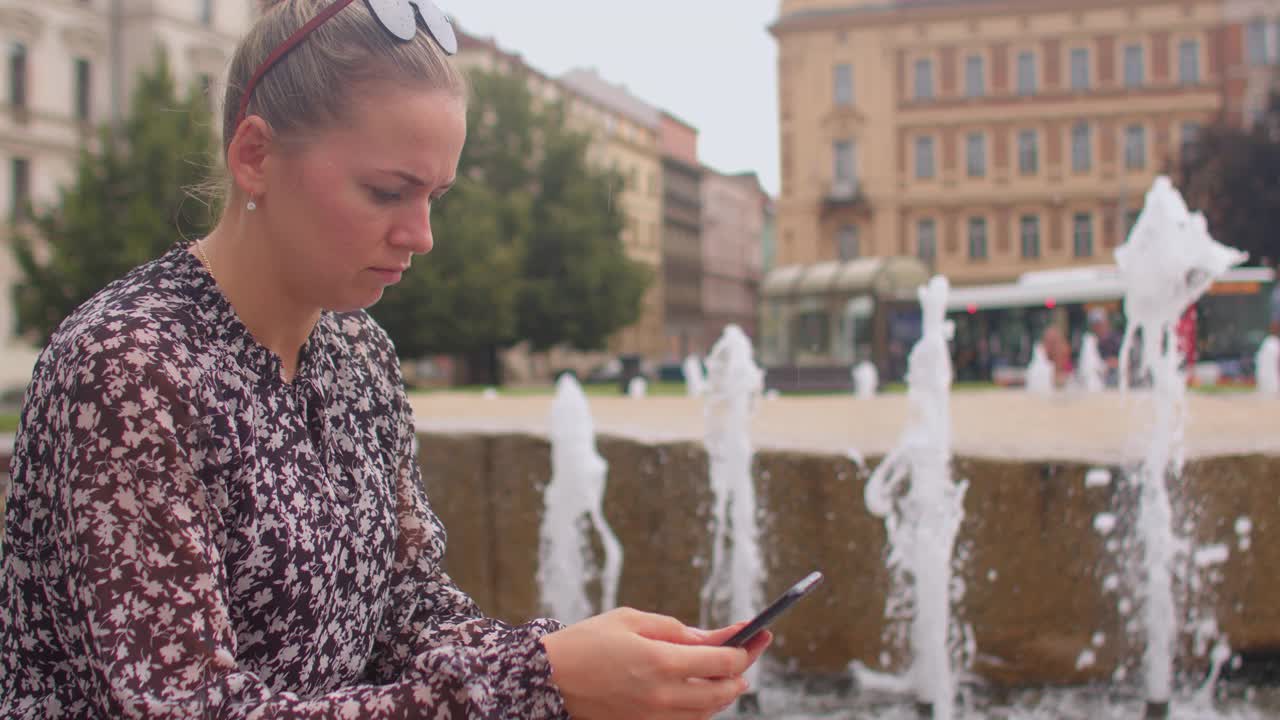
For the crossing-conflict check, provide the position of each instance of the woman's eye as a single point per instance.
(385, 197)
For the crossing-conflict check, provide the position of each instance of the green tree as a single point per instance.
(461, 297)
(129, 203)
(528, 243)
(580, 286)
(1233, 176)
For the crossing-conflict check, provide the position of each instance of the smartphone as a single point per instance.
(771, 613)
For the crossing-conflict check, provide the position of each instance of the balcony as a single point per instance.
(844, 193)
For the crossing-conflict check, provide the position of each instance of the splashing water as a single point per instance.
(575, 502)
(734, 384)
(865, 380)
(1168, 261)
(1092, 373)
(923, 520)
(1039, 372)
(695, 382)
(1267, 366)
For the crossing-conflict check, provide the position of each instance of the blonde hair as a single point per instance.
(315, 86)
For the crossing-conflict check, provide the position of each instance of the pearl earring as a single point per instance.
(251, 206)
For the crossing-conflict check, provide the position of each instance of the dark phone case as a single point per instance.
(779, 606)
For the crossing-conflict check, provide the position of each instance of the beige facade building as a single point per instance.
(1254, 32)
(628, 140)
(733, 226)
(993, 137)
(70, 67)
(624, 137)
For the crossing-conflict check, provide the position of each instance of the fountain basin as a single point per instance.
(1035, 559)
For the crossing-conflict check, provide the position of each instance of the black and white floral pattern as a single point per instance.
(189, 536)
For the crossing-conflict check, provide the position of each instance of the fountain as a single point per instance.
(1267, 366)
(1091, 375)
(1168, 261)
(695, 380)
(865, 380)
(1040, 372)
(923, 520)
(574, 505)
(733, 589)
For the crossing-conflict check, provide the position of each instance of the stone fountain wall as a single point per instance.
(1032, 561)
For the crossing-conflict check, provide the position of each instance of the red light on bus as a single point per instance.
(1050, 303)
(973, 309)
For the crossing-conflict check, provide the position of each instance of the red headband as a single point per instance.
(278, 54)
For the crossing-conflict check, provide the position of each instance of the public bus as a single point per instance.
(996, 326)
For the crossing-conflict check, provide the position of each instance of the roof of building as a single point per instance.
(587, 82)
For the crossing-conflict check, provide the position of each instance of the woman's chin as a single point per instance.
(361, 300)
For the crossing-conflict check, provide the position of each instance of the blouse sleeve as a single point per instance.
(432, 623)
(143, 592)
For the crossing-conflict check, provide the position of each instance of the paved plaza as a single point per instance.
(1106, 427)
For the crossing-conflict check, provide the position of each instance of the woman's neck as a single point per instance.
(250, 277)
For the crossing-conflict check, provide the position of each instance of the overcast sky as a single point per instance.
(708, 62)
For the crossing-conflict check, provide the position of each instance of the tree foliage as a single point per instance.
(1233, 176)
(129, 203)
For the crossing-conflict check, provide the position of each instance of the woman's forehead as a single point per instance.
(406, 125)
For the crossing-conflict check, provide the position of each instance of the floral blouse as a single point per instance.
(189, 536)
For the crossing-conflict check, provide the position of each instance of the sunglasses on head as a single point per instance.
(398, 17)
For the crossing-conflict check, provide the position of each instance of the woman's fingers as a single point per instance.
(720, 635)
(757, 646)
(703, 661)
(662, 627)
(698, 695)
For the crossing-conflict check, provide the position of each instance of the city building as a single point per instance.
(989, 138)
(1253, 42)
(70, 67)
(631, 145)
(733, 229)
(682, 267)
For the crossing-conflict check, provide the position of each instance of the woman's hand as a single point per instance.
(629, 664)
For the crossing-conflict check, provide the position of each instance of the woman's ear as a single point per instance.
(248, 154)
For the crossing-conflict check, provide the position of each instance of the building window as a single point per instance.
(924, 79)
(1188, 134)
(1080, 69)
(206, 12)
(1082, 234)
(1081, 148)
(843, 153)
(1030, 233)
(20, 188)
(924, 157)
(1028, 152)
(843, 84)
(83, 89)
(1189, 62)
(1026, 73)
(927, 240)
(1135, 147)
(975, 76)
(18, 75)
(1256, 42)
(1134, 72)
(976, 155)
(977, 238)
(847, 242)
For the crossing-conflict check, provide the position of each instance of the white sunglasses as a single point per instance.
(398, 17)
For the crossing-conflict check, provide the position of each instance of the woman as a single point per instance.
(216, 512)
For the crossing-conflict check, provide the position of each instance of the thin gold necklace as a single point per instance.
(204, 259)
